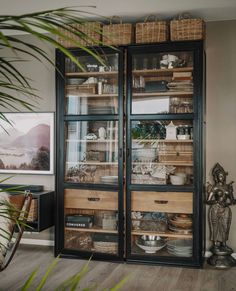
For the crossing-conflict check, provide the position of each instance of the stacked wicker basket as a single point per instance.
(117, 34)
(150, 31)
(187, 29)
(88, 34)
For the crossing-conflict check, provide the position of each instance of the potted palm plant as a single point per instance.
(46, 26)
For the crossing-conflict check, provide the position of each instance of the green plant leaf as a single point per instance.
(30, 280)
(43, 281)
(120, 284)
(74, 280)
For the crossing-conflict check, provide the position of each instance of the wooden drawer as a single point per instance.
(91, 199)
(172, 202)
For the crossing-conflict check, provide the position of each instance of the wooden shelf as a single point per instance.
(190, 164)
(166, 234)
(88, 94)
(92, 74)
(166, 93)
(94, 163)
(164, 140)
(165, 71)
(100, 230)
(92, 141)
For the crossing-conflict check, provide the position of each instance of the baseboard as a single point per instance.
(40, 242)
(208, 254)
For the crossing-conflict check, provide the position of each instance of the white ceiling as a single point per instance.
(210, 10)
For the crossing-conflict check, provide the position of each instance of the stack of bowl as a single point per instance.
(181, 223)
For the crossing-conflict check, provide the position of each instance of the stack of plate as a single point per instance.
(109, 179)
(180, 247)
(181, 223)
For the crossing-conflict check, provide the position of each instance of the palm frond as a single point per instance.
(45, 26)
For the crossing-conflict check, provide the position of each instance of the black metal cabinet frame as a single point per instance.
(125, 117)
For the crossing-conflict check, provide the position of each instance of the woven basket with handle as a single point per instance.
(117, 34)
(90, 34)
(151, 31)
(33, 211)
(187, 28)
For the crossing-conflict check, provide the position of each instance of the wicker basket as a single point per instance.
(117, 34)
(105, 247)
(151, 31)
(33, 212)
(91, 34)
(186, 28)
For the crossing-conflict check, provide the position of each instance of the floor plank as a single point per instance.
(106, 274)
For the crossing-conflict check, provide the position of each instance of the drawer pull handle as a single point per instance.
(93, 199)
(161, 201)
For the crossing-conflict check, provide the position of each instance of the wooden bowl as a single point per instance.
(181, 224)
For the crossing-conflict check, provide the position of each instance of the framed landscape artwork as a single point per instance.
(26, 145)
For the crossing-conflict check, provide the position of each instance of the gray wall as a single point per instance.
(220, 102)
(43, 77)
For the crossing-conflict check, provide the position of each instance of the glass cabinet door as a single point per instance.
(92, 196)
(91, 221)
(160, 156)
(162, 223)
(91, 152)
(161, 143)
(162, 83)
(93, 90)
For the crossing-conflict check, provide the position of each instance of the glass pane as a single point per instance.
(162, 152)
(91, 220)
(162, 83)
(93, 90)
(161, 223)
(91, 152)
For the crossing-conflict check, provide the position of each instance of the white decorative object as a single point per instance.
(90, 136)
(102, 133)
(177, 180)
(171, 131)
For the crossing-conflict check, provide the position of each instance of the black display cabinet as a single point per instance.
(130, 157)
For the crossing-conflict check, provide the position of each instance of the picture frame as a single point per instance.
(27, 143)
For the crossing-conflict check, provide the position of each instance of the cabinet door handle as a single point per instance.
(161, 201)
(128, 152)
(120, 153)
(93, 199)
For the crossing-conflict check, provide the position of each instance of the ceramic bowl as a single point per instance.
(75, 81)
(151, 246)
(144, 154)
(183, 136)
(177, 180)
(181, 224)
(184, 175)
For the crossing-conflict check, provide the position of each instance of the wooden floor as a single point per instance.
(105, 274)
